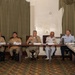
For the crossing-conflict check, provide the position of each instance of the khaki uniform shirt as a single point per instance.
(51, 40)
(14, 40)
(34, 39)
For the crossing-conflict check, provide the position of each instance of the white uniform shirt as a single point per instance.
(50, 40)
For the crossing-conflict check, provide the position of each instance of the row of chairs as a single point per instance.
(32, 52)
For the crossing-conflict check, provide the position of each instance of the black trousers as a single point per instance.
(63, 49)
(2, 56)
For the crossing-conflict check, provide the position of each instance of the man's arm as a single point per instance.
(10, 41)
(39, 40)
(29, 40)
(3, 40)
(73, 39)
(20, 40)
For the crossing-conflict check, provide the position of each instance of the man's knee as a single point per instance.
(37, 51)
(17, 50)
(10, 50)
(27, 50)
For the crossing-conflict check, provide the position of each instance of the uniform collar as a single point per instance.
(68, 36)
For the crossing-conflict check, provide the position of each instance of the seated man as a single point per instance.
(68, 38)
(15, 47)
(33, 39)
(50, 39)
(2, 56)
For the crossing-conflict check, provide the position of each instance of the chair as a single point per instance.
(32, 52)
(44, 41)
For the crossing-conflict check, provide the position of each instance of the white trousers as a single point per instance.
(49, 49)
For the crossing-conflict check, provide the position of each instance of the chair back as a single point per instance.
(61, 35)
(27, 37)
(44, 38)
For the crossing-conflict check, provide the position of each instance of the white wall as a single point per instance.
(46, 17)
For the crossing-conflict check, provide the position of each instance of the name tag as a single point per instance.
(36, 43)
(2, 43)
(17, 43)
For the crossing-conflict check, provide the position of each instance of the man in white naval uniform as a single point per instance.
(50, 39)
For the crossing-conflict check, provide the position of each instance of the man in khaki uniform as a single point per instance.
(2, 55)
(33, 39)
(11, 41)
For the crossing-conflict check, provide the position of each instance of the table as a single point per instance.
(38, 45)
(71, 46)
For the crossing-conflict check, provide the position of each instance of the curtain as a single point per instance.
(69, 15)
(14, 16)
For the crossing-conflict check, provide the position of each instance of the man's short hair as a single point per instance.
(34, 31)
(68, 30)
(14, 33)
